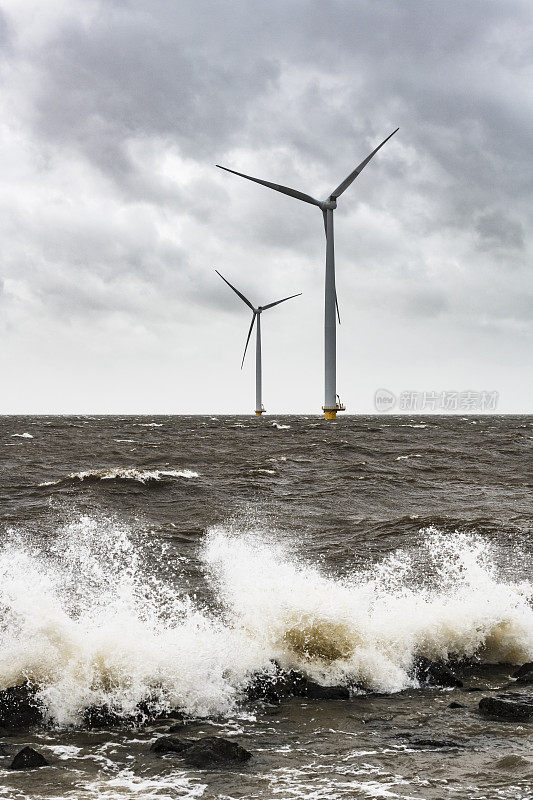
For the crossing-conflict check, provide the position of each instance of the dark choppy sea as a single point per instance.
(172, 558)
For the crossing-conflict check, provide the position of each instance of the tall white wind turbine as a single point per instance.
(332, 403)
(256, 318)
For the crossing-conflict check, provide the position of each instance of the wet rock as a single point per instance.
(455, 704)
(170, 744)
(510, 706)
(436, 673)
(102, 717)
(524, 670)
(317, 692)
(28, 758)
(19, 708)
(273, 687)
(214, 751)
(208, 751)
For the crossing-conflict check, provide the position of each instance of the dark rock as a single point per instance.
(525, 669)
(214, 751)
(474, 689)
(170, 744)
(527, 678)
(317, 692)
(19, 708)
(28, 758)
(455, 704)
(435, 673)
(277, 685)
(511, 706)
(178, 717)
(150, 709)
(146, 711)
(102, 717)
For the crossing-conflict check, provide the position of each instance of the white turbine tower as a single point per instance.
(332, 403)
(256, 318)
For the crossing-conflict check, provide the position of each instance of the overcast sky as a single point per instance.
(113, 216)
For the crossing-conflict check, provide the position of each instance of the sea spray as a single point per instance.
(92, 618)
(88, 622)
(443, 598)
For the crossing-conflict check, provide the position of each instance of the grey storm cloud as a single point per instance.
(114, 215)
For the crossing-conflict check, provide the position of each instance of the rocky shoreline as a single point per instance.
(20, 712)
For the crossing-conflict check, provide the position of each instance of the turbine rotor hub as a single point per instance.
(330, 203)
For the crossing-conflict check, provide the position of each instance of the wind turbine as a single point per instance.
(332, 402)
(256, 317)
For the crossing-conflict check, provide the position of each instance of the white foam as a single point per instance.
(22, 435)
(126, 474)
(370, 626)
(280, 427)
(88, 621)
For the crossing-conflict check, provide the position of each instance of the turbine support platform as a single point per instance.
(330, 412)
(260, 411)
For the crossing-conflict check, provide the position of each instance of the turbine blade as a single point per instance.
(271, 305)
(353, 175)
(248, 339)
(277, 187)
(237, 291)
(325, 215)
(337, 307)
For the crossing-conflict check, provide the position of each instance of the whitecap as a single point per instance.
(127, 474)
(23, 435)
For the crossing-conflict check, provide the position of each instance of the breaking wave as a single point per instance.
(124, 474)
(89, 621)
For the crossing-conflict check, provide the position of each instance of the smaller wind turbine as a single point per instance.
(256, 316)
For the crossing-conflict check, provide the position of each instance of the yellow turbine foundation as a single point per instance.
(330, 412)
(258, 413)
